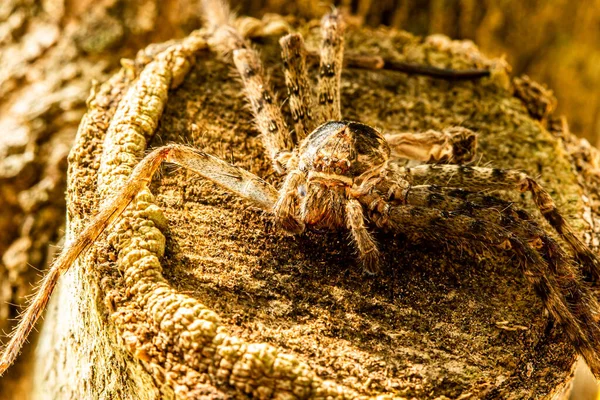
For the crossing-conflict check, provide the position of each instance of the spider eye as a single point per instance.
(302, 190)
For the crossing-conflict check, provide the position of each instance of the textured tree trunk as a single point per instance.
(195, 293)
(51, 52)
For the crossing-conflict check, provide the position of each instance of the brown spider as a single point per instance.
(346, 175)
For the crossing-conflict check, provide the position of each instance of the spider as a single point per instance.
(345, 175)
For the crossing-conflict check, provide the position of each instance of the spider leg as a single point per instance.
(235, 179)
(502, 213)
(355, 220)
(226, 38)
(293, 54)
(568, 299)
(330, 66)
(475, 205)
(269, 120)
(232, 178)
(286, 209)
(455, 144)
(480, 178)
(140, 178)
(497, 211)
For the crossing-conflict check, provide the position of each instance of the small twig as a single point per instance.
(363, 61)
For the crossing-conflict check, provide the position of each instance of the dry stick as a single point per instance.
(233, 178)
(363, 61)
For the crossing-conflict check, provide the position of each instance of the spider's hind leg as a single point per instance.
(330, 66)
(563, 292)
(479, 178)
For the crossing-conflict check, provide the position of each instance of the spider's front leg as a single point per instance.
(276, 137)
(293, 54)
(269, 120)
(235, 179)
(287, 207)
(330, 66)
(480, 178)
(230, 177)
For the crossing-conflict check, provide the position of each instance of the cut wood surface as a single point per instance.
(197, 293)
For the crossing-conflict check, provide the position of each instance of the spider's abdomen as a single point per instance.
(342, 150)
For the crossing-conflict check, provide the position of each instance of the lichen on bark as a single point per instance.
(202, 292)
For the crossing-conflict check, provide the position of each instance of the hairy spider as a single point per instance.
(346, 175)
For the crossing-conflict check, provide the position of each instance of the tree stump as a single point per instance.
(196, 293)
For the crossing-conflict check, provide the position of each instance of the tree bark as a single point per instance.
(51, 52)
(195, 293)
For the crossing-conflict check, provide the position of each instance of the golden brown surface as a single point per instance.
(438, 321)
(50, 51)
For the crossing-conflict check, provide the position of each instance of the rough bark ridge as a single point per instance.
(50, 53)
(234, 308)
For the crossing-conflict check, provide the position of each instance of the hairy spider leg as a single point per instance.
(287, 208)
(565, 296)
(330, 66)
(363, 240)
(503, 213)
(276, 137)
(140, 178)
(235, 179)
(230, 177)
(455, 145)
(474, 204)
(293, 54)
(480, 178)
(269, 119)
(267, 113)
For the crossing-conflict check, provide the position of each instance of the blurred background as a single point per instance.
(51, 51)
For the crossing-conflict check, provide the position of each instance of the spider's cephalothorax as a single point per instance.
(342, 148)
(329, 161)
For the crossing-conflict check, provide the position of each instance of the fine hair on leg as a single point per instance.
(480, 178)
(230, 177)
(293, 54)
(330, 66)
